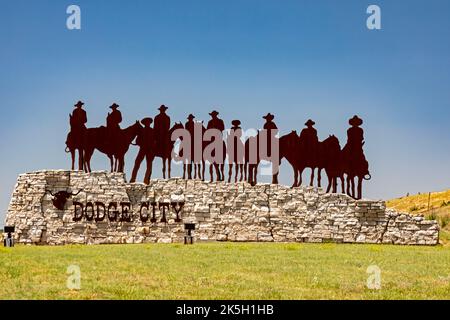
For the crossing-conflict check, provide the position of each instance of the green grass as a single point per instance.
(225, 271)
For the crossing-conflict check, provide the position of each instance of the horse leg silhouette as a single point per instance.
(203, 169)
(148, 172)
(137, 163)
(189, 169)
(274, 178)
(72, 154)
(169, 164)
(360, 179)
(295, 184)
(87, 158)
(163, 167)
(342, 183)
(311, 182)
(230, 172)
(241, 167)
(80, 159)
(211, 172)
(218, 172)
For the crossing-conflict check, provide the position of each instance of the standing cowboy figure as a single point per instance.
(271, 128)
(146, 142)
(112, 125)
(190, 125)
(161, 128)
(235, 150)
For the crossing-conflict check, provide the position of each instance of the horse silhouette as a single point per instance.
(330, 159)
(75, 141)
(189, 159)
(164, 150)
(354, 166)
(97, 138)
(253, 156)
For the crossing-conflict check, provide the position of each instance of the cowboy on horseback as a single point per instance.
(146, 142)
(355, 135)
(310, 140)
(354, 160)
(215, 122)
(75, 138)
(112, 124)
(79, 117)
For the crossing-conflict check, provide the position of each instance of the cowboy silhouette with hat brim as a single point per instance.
(146, 142)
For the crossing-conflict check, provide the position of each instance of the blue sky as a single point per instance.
(296, 59)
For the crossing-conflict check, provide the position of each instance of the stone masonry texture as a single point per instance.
(221, 212)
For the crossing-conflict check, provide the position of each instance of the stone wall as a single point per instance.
(221, 212)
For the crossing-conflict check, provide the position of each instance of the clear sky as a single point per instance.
(296, 59)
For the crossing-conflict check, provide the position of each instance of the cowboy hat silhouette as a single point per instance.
(190, 116)
(147, 121)
(236, 123)
(355, 121)
(114, 106)
(214, 113)
(79, 104)
(269, 117)
(309, 123)
(162, 108)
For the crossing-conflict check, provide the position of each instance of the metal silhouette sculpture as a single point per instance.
(147, 147)
(164, 144)
(219, 166)
(309, 145)
(98, 139)
(261, 147)
(60, 198)
(235, 151)
(355, 164)
(301, 151)
(75, 138)
(194, 159)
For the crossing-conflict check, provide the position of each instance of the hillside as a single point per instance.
(434, 205)
(419, 202)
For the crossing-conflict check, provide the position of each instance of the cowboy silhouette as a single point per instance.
(75, 138)
(79, 117)
(189, 125)
(269, 125)
(215, 122)
(146, 142)
(162, 127)
(113, 121)
(271, 128)
(309, 137)
(236, 155)
(354, 161)
(355, 134)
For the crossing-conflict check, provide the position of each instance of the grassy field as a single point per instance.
(225, 271)
(434, 205)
